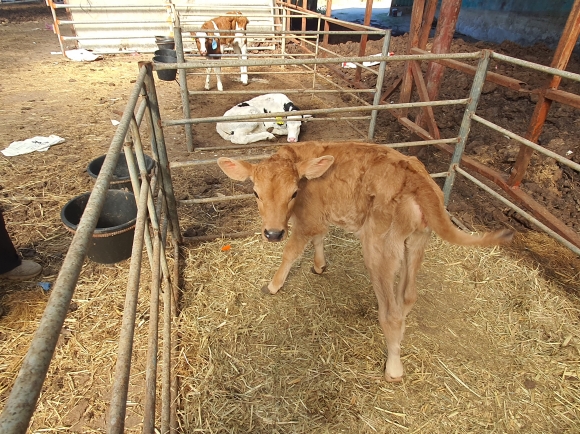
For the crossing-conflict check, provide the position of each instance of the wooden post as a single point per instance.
(560, 60)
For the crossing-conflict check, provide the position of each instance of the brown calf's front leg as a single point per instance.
(319, 260)
(292, 251)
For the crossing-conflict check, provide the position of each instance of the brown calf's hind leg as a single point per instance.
(292, 251)
(412, 259)
(383, 259)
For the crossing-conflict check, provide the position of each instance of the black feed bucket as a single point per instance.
(165, 52)
(121, 178)
(166, 74)
(165, 42)
(112, 239)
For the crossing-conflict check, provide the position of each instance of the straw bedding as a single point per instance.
(490, 345)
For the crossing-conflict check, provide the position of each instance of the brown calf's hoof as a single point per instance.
(315, 272)
(393, 380)
(265, 290)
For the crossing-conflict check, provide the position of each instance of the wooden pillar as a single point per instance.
(560, 60)
(441, 44)
(363, 39)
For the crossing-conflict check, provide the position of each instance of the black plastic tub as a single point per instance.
(167, 53)
(166, 74)
(165, 42)
(121, 178)
(112, 239)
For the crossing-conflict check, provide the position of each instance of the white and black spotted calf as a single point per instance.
(244, 132)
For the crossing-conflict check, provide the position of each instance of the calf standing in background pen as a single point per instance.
(210, 44)
(244, 132)
(387, 199)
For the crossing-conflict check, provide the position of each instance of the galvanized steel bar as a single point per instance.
(118, 403)
(325, 61)
(135, 184)
(176, 164)
(284, 91)
(22, 399)
(379, 84)
(163, 161)
(476, 87)
(537, 67)
(216, 199)
(317, 112)
(520, 211)
(166, 369)
(529, 143)
(183, 84)
(153, 340)
(135, 176)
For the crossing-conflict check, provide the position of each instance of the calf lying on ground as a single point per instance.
(387, 199)
(212, 47)
(244, 132)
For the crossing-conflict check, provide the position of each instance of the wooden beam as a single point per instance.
(492, 77)
(561, 57)
(424, 96)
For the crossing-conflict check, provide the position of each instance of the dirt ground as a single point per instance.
(43, 94)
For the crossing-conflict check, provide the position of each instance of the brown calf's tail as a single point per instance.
(431, 203)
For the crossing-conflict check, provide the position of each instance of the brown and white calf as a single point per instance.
(210, 44)
(387, 199)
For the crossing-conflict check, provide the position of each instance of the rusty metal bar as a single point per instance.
(362, 48)
(492, 77)
(21, 402)
(561, 56)
(414, 30)
(427, 23)
(415, 128)
(424, 96)
(441, 43)
(118, 404)
(563, 97)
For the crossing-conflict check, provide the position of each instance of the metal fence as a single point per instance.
(157, 219)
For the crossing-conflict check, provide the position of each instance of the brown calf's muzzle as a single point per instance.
(274, 236)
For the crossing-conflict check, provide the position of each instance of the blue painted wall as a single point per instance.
(551, 7)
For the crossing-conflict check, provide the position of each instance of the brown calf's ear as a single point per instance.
(315, 167)
(235, 169)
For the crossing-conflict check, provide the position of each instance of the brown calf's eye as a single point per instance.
(295, 193)
(256, 194)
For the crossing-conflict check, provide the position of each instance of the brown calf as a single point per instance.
(210, 44)
(387, 199)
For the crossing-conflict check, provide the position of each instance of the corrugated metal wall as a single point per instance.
(130, 25)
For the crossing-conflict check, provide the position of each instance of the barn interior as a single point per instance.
(179, 338)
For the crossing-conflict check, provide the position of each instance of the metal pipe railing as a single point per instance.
(475, 93)
(118, 404)
(272, 116)
(560, 159)
(520, 211)
(22, 399)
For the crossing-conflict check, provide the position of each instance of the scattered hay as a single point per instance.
(490, 345)
(76, 393)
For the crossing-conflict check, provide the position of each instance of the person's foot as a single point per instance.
(26, 270)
